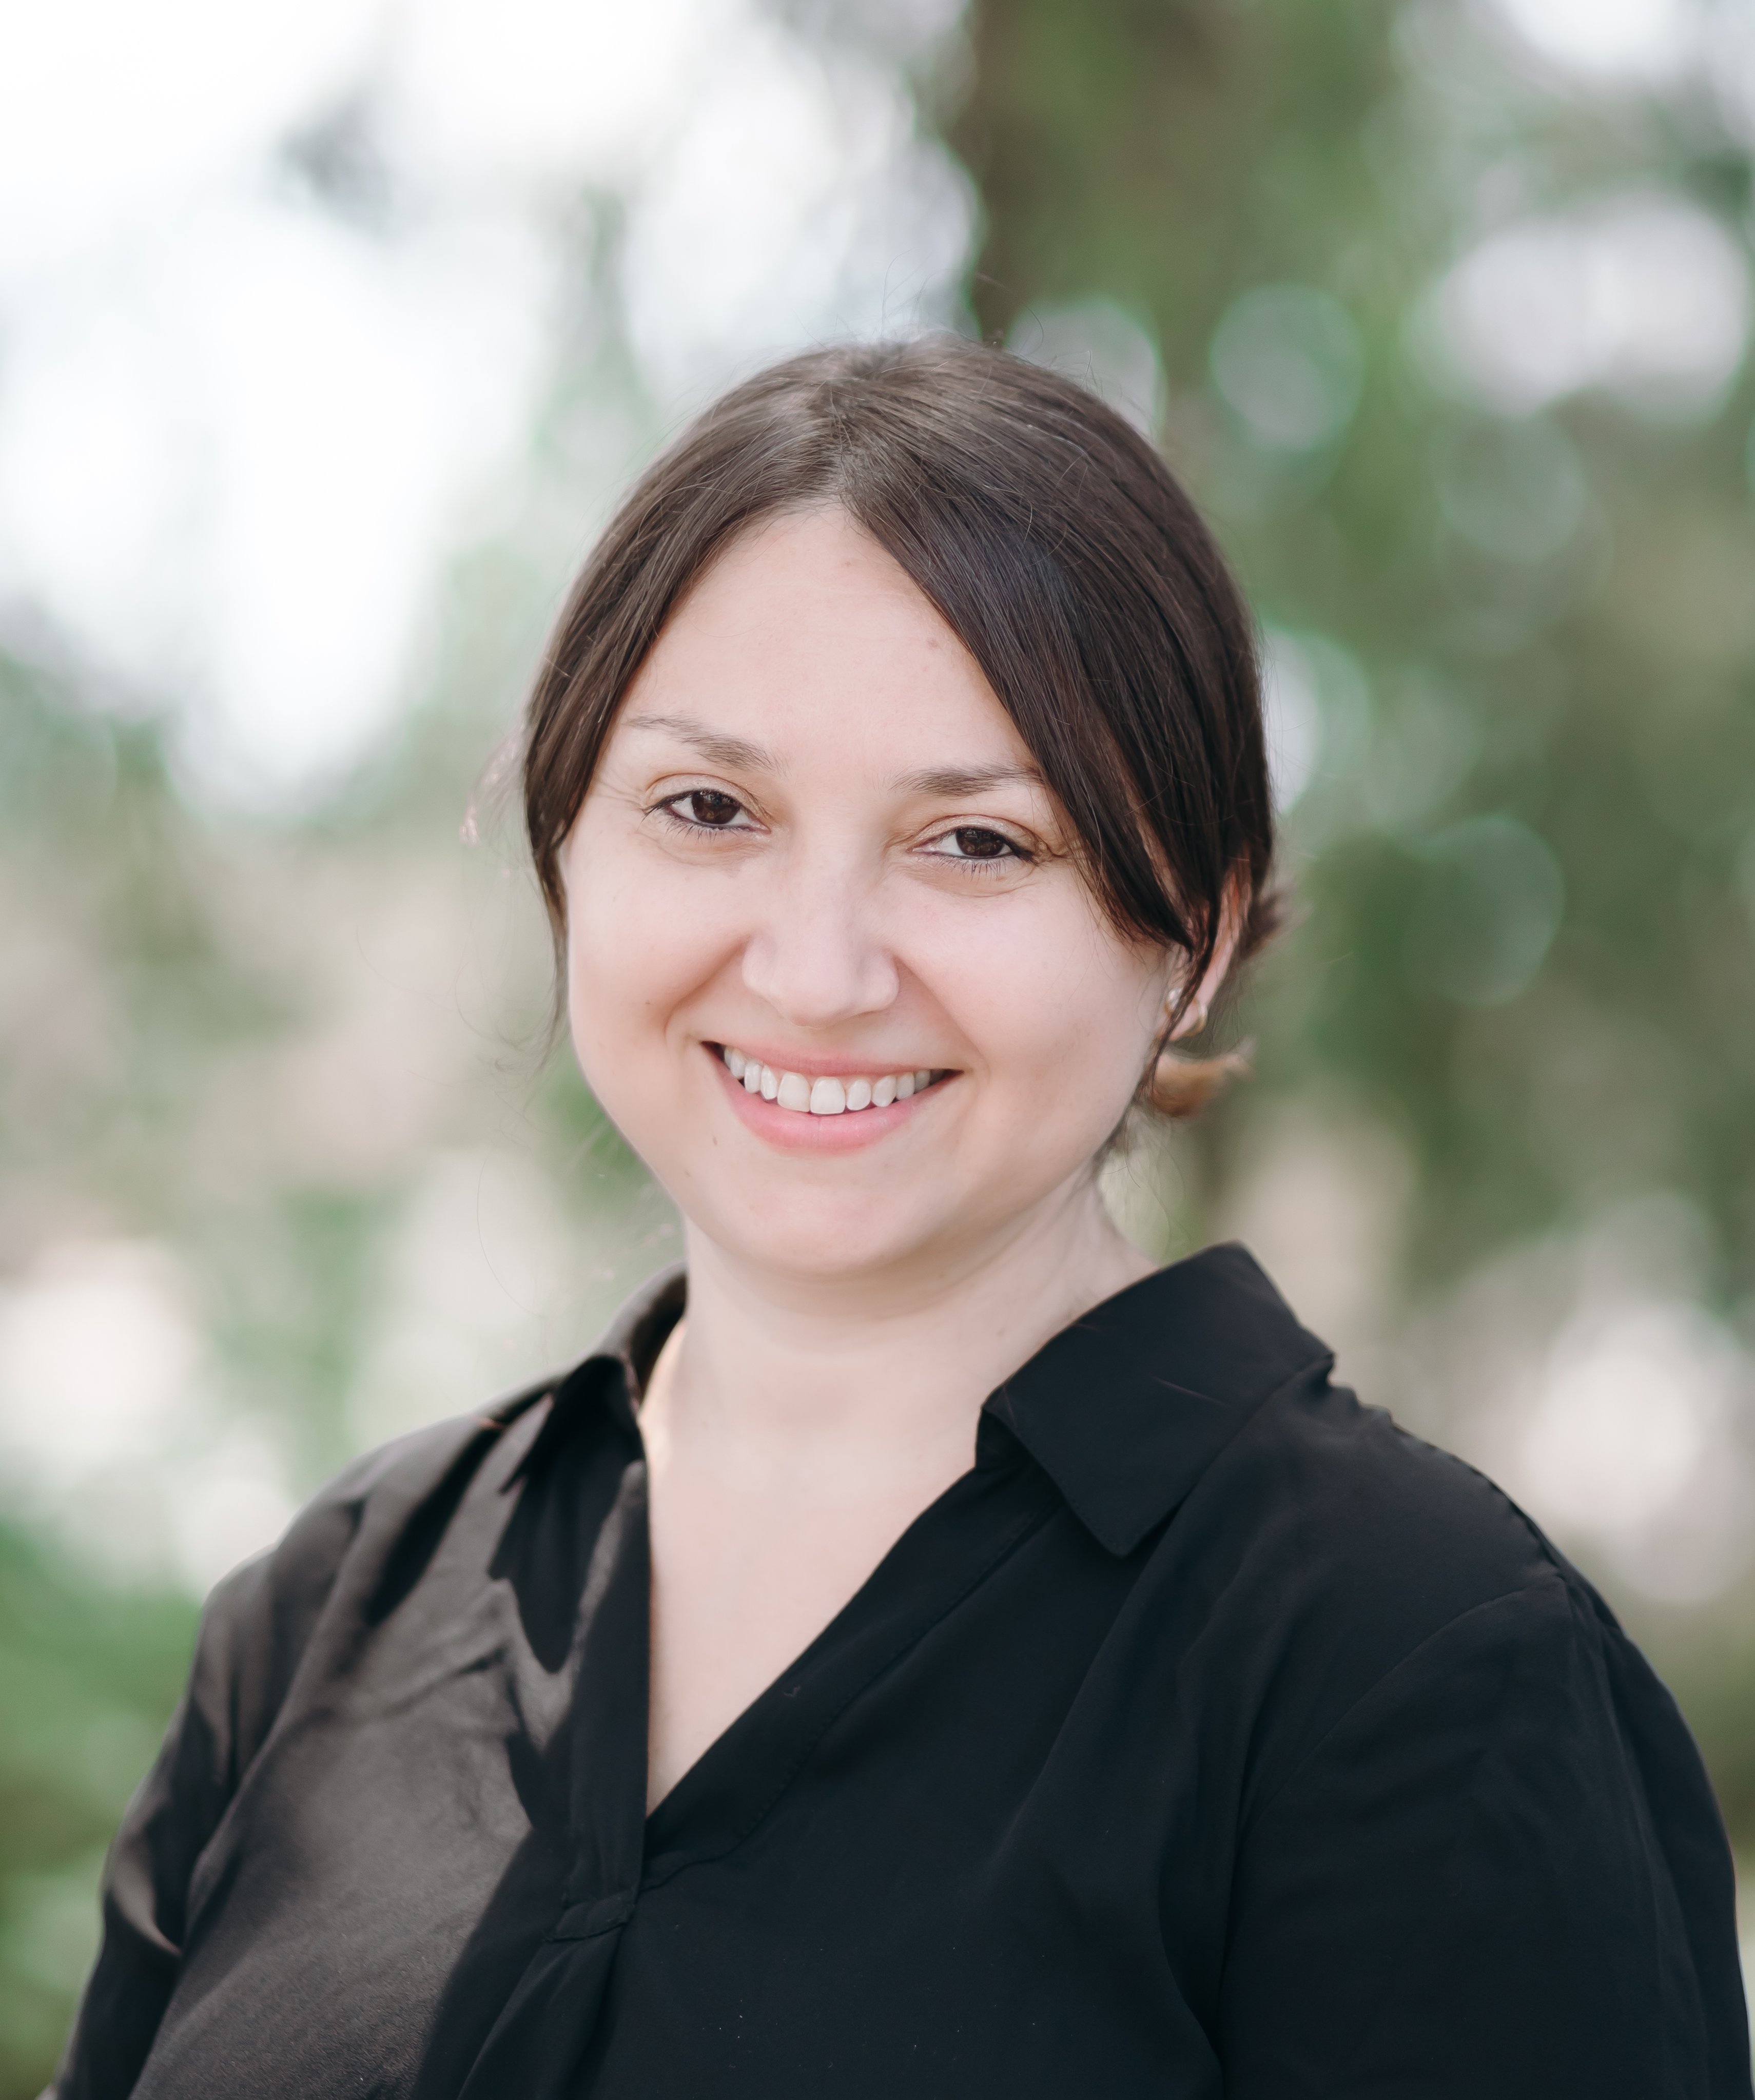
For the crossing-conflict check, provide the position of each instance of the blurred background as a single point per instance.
(330, 330)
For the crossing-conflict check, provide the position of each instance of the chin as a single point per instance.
(825, 1243)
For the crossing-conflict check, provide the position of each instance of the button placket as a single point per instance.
(608, 1726)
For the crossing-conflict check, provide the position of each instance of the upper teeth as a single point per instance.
(792, 1090)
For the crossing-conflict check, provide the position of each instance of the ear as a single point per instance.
(1196, 1005)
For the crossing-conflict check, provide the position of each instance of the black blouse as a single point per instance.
(1209, 1736)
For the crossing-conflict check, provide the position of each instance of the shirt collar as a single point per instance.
(1124, 1409)
(639, 1331)
(615, 1372)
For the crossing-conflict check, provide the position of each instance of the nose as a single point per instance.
(814, 957)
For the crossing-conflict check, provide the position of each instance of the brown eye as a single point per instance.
(975, 843)
(708, 806)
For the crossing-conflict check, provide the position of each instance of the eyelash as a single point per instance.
(668, 809)
(982, 862)
(978, 864)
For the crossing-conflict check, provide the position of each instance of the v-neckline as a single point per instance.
(944, 1553)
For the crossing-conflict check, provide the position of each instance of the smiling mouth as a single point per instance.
(826, 1096)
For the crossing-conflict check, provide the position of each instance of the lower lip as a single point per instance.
(790, 1130)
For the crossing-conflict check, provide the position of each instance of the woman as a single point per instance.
(925, 1650)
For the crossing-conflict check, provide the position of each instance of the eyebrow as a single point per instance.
(958, 780)
(738, 752)
(735, 751)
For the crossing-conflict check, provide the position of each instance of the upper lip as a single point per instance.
(834, 1065)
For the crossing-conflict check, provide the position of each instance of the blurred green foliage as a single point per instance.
(89, 1677)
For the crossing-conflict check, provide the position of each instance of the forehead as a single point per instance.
(806, 631)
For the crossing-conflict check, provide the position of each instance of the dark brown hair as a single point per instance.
(1056, 545)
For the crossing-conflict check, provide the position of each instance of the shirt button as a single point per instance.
(586, 1920)
(609, 1912)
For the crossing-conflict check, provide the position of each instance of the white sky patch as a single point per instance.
(1729, 66)
(108, 1434)
(98, 1351)
(489, 1284)
(1644, 295)
(1634, 1444)
(1625, 47)
(228, 465)
(1632, 41)
(798, 206)
(111, 114)
(1292, 715)
(242, 434)
(550, 91)
(1584, 1373)
(1316, 704)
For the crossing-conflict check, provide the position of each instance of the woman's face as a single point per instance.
(815, 843)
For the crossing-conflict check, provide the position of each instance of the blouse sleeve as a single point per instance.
(254, 1628)
(1502, 1871)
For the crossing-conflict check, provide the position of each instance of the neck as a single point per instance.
(884, 1376)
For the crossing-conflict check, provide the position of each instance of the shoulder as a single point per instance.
(259, 1621)
(379, 1487)
(1352, 1498)
(1450, 1746)
(1357, 1568)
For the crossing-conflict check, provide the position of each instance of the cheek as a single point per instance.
(1064, 1014)
(631, 954)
